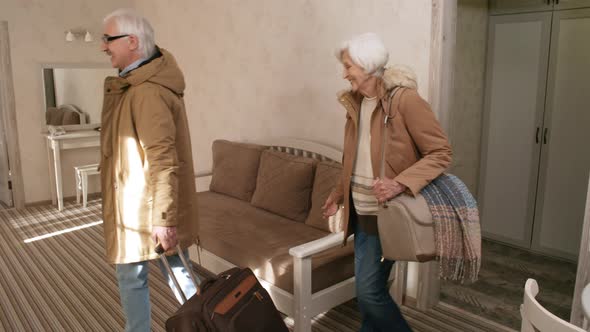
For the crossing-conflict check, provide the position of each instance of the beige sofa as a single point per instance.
(67, 114)
(260, 207)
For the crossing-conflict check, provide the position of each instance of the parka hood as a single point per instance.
(162, 70)
(399, 75)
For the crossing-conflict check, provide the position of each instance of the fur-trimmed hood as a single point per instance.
(399, 75)
(394, 75)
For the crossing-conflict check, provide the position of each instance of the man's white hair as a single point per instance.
(367, 51)
(130, 22)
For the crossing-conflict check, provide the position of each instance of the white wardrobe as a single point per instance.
(536, 131)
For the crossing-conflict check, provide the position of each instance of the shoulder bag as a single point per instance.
(405, 223)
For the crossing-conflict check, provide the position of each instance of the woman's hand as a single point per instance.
(330, 207)
(386, 189)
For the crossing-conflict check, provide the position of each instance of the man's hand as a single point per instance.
(165, 235)
(386, 189)
(329, 208)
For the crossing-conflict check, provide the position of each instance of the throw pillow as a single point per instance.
(235, 167)
(327, 175)
(284, 184)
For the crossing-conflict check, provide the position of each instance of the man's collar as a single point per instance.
(140, 62)
(132, 66)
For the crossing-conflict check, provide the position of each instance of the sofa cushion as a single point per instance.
(61, 116)
(327, 175)
(251, 237)
(284, 184)
(235, 167)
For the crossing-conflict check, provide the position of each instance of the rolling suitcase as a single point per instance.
(233, 301)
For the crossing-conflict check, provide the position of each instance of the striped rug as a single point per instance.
(53, 277)
(61, 282)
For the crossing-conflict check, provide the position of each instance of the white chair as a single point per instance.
(536, 318)
(82, 173)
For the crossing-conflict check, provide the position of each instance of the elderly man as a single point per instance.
(148, 187)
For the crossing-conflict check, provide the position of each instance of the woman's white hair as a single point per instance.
(367, 51)
(130, 22)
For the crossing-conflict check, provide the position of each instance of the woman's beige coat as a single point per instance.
(146, 163)
(417, 150)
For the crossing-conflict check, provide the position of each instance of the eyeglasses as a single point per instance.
(107, 39)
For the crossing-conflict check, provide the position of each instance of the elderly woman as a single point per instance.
(416, 151)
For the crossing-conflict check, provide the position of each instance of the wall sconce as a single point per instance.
(72, 35)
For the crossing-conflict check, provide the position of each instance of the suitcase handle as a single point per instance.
(160, 251)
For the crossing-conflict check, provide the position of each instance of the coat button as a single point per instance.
(108, 90)
(116, 186)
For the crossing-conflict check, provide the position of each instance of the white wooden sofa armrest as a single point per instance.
(304, 306)
(313, 247)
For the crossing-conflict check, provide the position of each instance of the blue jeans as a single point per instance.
(135, 294)
(378, 310)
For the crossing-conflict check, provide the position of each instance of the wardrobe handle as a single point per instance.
(557, 2)
(545, 136)
(537, 135)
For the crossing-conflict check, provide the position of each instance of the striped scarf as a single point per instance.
(457, 232)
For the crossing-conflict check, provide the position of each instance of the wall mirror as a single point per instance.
(73, 94)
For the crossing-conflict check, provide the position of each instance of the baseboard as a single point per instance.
(66, 199)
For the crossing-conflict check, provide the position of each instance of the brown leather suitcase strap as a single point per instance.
(235, 295)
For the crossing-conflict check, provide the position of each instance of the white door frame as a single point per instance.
(440, 93)
(9, 118)
(583, 274)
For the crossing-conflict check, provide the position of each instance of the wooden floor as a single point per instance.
(498, 293)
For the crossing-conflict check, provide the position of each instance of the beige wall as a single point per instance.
(37, 36)
(265, 68)
(254, 69)
(467, 105)
(81, 87)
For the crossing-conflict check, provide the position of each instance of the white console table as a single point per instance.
(71, 140)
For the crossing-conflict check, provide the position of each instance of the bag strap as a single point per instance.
(383, 133)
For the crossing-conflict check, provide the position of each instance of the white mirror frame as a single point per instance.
(84, 65)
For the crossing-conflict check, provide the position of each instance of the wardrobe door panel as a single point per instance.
(569, 4)
(519, 6)
(518, 47)
(565, 158)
